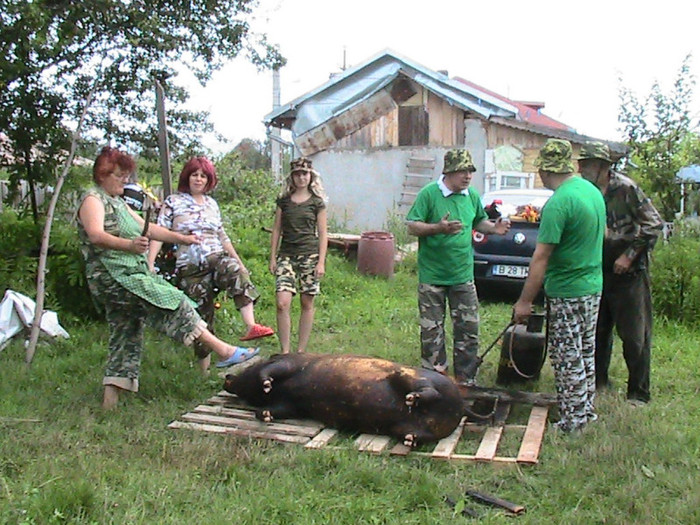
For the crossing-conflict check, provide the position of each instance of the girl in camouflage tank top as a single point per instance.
(298, 249)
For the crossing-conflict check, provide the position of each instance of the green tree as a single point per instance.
(53, 52)
(662, 138)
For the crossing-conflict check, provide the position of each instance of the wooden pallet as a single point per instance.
(227, 414)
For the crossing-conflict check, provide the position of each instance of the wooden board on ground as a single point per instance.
(225, 413)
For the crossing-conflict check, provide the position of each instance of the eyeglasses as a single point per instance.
(122, 176)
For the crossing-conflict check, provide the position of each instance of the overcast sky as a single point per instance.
(569, 55)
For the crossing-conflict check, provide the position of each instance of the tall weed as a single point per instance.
(675, 279)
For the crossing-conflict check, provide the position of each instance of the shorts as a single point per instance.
(297, 268)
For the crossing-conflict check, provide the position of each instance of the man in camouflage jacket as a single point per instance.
(633, 227)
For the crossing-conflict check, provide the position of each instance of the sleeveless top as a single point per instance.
(130, 270)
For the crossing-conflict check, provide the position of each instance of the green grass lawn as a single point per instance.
(64, 461)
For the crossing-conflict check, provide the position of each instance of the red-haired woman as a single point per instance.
(213, 263)
(121, 283)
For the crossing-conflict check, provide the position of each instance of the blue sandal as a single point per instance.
(241, 355)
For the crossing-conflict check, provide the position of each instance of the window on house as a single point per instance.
(413, 126)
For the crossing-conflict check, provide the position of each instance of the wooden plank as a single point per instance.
(413, 180)
(249, 414)
(372, 443)
(322, 438)
(446, 446)
(400, 450)
(253, 425)
(216, 429)
(221, 410)
(509, 396)
(489, 444)
(532, 440)
(427, 163)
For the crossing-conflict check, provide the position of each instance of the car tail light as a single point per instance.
(478, 237)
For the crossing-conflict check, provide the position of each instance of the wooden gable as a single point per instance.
(423, 119)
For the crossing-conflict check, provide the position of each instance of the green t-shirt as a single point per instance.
(574, 220)
(445, 259)
(299, 225)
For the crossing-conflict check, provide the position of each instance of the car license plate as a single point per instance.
(518, 272)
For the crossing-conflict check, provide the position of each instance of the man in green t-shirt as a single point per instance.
(568, 258)
(442, 217)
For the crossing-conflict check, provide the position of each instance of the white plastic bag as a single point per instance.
(17, 312)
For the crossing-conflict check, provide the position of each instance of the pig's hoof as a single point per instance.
(267, 385)
(266, 416)
(412, 399)
(409, 440)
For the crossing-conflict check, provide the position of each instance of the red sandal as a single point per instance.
(257, 331)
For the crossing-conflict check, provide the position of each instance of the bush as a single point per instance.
(66, 287)
(675, 281)
(19, 241)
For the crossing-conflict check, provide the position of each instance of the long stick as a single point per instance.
(44, 250)
(496, 502)
(163, 149)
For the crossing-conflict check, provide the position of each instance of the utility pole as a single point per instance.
(276, 151)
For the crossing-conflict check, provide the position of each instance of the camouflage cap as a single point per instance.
(301, 164)
(555, 157)
(458, 160)
(595, 150)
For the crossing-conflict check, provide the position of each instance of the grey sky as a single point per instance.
(568, 55)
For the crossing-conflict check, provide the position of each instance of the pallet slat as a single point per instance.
(492, 436)
(446, 446)
(322, 438)
(249, 414)
(372, 443)
(216, 429)
(532, 440)
(253, 424)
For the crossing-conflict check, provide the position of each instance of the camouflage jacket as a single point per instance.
(633, 224)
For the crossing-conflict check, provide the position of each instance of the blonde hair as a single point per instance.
(315, 184)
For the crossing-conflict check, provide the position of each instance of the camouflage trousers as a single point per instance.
(202, 283)
(626, 306)
(127, 314)
(464, 312)
(571, 342)
(297, 268)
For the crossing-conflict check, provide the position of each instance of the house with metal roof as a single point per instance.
(377, 133)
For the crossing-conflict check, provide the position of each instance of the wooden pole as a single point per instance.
(163, 140)
(44, 250)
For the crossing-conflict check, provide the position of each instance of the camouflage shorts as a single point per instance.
(301, 268)
(571, 342)
(464, 311)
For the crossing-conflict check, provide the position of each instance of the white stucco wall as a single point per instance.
(364, 186)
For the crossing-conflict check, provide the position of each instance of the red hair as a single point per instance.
(109, 159)
(194, 164)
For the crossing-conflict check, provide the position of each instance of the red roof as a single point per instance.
(527, 111)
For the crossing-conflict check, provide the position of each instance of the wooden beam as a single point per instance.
(163, 148)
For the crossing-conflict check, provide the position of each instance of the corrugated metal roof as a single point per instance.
(617, 148)
(356, 84)
(527, 111)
